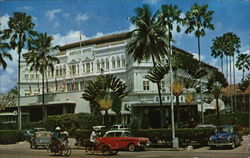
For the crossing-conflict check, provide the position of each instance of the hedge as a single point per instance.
(154, 135)
(240, 119)
(11, 136)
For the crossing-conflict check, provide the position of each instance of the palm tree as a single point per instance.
(217, 94)
(184, 76)
(148, 41)
(243, 62)
(105, 92)
(198, 19)
(217, 49)
(39, 57)
(227, 44)
(4, 47)
(4, 54)
(20, 28)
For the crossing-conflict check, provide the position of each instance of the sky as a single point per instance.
(66, 20)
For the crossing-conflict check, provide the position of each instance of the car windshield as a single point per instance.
(224, 130)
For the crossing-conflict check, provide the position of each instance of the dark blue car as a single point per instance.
(226, 135)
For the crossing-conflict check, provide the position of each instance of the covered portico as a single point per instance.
(149, 113)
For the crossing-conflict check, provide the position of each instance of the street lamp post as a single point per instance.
(174, 139)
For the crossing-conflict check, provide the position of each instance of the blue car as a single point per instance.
(227, 135)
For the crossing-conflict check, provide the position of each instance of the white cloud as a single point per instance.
(152, 1)
(99, 34)
(8, 77)
(81, 17)
(131, 27)
(51, 14)
(72, 36)
(4, 21)
(196, 56)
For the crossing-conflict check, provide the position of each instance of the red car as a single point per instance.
(123, 139)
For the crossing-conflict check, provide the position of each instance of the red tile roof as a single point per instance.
(230, 90)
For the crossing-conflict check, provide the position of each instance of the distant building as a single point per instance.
(241, 98)
(81, 62)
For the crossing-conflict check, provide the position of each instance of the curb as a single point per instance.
(147, 149)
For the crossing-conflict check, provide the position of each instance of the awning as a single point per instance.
(68, 102)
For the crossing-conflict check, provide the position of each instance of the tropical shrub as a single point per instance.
(86, 121)
(240, 119)
(11, 136)
(67, 122)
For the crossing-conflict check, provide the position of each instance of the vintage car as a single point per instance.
(227, 135)
(123, 139)
(41, 139)
(120, 127)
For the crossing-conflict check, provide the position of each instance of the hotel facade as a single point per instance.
(82, 62)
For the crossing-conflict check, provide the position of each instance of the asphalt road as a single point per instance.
(22, 150)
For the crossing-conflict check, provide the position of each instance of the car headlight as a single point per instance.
(210, 138)
(229, 138)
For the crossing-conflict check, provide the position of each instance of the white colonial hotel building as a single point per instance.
(81, 62)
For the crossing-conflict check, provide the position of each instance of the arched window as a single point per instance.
(107, 63)
(98, 65)
(87, 67)
(102, 64)
(83, 68)
(118, 62)
(113, 62)
(123, 61)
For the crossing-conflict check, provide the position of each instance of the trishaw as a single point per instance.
(105, 148)
(63, 147)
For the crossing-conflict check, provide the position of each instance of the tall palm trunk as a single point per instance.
(230, 80)
(227, 67)
(235, 105)
(199, 51)
(217, 111)
(159, 93)
(19, 76)
(221, 62)
(43, 95)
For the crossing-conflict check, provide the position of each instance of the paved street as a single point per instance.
(22, 151)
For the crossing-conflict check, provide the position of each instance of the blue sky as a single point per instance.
(65, 20)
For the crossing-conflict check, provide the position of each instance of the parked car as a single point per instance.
(120, 127)
(227, 135)
(41, 138)
(28, 134)
(123, 139)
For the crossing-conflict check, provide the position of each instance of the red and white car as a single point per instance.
(123, 139)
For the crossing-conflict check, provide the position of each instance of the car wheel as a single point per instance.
(233, 145)
(106, 150)
(131, 147)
